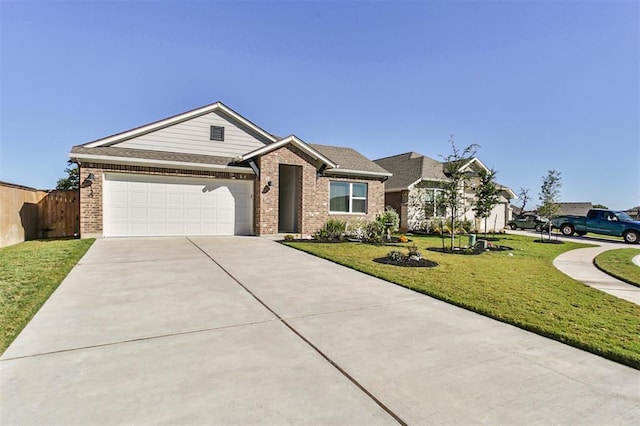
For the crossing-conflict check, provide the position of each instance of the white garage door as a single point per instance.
(139, 205)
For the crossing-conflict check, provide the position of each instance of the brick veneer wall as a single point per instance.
(314, 193)
(393, 199)
(91, 205)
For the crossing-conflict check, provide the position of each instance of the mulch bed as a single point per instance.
(549, 241)
(393, 240)
(469, 251)
(406, 262)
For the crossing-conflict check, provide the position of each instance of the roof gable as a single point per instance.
(409, 168)
(185, 140)
(336, 160)
(294, 140)
(217, 107)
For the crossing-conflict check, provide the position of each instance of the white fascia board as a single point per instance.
(474, 160)
(282, 142)
(508, 191)
(110, 140)
(127, 161)
(357, 172)
(411, 186)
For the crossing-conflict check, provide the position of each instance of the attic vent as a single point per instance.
(217, 133)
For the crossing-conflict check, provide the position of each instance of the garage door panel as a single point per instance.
(137, 205)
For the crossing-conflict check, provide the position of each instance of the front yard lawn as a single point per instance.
(29, 273)
(523, 289)
(618, 263)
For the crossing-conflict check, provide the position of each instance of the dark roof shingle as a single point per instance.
(110, 151)
(409, 167)
(348, 159)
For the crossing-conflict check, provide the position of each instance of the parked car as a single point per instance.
(603, 222)
(529, 221)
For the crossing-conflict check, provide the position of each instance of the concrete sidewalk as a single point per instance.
(578, 264)
(246, 331)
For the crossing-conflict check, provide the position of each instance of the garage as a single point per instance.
(146, 205)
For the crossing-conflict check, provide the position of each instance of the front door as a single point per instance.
(289, 198)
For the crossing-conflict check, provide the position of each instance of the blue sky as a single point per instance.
(538, 85)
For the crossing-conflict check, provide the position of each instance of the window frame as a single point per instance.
(351, 197)
(435, 194)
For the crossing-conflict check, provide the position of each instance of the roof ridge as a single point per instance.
(396, 155)
(333, 146)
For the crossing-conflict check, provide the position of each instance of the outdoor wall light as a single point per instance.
(88, 182)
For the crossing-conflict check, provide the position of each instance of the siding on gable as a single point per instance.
(192, 137)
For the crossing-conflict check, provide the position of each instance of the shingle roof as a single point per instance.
(110, 151)
(408, 168)
(348, 159)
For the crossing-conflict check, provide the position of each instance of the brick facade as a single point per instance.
(313, 190)
(91, 203)
(313, 209)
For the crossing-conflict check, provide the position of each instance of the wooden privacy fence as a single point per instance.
(58, 214)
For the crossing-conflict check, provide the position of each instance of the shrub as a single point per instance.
(435, 226)
(356, 229)
(395, 255)
(413, 251)
(288, 237)
(333, 229)
(389, 216)
(375, 231)
(466, 226)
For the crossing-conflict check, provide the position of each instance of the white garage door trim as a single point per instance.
(156, 205)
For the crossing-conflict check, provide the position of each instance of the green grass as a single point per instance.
(525, 290)
(29, 273)
(618, 264)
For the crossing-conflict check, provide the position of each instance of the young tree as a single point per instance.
(454, 197)
(486, 195)
(550, 195)
(524, 197)
(72, 181)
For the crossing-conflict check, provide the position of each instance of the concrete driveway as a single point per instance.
(245, 331)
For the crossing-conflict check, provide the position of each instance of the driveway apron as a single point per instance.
(247, 331)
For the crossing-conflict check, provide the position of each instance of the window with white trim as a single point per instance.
(434, 203)
(347, 197)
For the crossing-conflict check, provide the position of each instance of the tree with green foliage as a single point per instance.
(550, 196)
(600, 206)
(486, 195)
(72, 181)
(454, 197)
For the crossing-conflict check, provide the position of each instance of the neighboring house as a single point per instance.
(416, 182)
(634, 212)
(211, 171)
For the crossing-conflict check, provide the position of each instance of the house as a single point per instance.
(211, 171)
(634, 212)
(416, 182)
